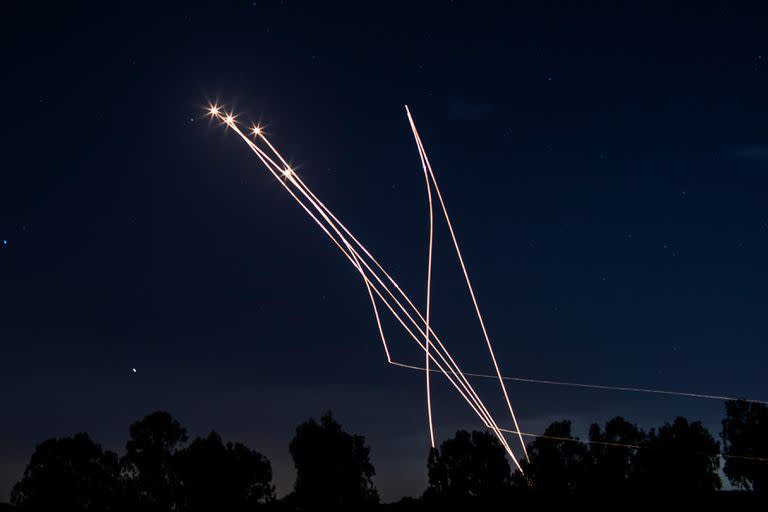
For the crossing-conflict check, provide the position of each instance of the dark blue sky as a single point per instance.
(606, 169)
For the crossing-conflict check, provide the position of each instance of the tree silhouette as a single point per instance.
(333, 468)
(612, 464)
(148, 466)
(334, 471)
(558, 462)
(68, 474)
(679, 458)
(469, 465)
(437, 474)
(745, 434)
(218, 477)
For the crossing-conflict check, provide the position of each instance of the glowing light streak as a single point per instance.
(487, 419)
(425, 160)
(457, 372)
(327, 211)
(429, 293)
(444, 362)
(595, 386)
(455, 377)
(268, 162)
(313, 198)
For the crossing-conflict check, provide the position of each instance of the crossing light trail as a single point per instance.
(484, 413)
(428, 330)
(375, 284)
(383, 290)
(428, 166)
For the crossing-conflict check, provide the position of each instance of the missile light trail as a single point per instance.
(333, 229)
(383, 290)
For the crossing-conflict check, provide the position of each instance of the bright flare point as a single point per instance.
(379, 291)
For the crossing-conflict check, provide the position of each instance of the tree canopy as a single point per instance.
(333, 468)
(68, 474)
(612, 455)
(557, 464)
(469, 464)
(229, 477)
(745, 442)
(148, 461)
(162, 471)
(680, 458)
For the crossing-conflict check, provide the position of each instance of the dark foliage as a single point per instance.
(745, 439)
(227, 477)
(333, 468)
(437, 474)
(148, 467)
(612, 455)
(68, 474)
(622, 467)
(679, 458)
(557, 464)
(469, 465)
(156, 473)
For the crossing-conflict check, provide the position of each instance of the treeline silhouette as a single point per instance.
(162, 470)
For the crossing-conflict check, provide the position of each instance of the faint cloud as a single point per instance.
(757, 152)
(468, 110)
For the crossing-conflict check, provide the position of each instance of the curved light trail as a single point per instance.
(382, 289)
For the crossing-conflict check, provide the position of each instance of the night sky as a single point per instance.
(606, 170)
